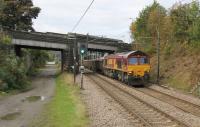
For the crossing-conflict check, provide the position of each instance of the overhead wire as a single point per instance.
(81, 18)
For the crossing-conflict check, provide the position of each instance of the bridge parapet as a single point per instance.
(38, 36)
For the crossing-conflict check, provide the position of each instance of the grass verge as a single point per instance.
(5, 94)
(2, 94)
(66, 108)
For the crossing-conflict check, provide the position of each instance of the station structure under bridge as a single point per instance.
(68, 44)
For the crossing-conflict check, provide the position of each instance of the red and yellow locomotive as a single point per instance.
(129, 67)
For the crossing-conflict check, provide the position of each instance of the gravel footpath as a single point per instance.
(190, 120)
(16, 111)
(103, 110)
(177, 94)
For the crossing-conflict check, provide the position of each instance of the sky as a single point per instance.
(107, 18)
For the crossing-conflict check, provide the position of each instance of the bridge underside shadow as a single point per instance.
(63, 53)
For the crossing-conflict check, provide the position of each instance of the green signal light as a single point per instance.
(82, 51)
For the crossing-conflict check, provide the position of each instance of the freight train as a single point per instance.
(130, 67)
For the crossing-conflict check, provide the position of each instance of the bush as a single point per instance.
(14, 73)
(6, 40)
(12, 68)
(39, 58)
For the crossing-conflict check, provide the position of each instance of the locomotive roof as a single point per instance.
(126, 54)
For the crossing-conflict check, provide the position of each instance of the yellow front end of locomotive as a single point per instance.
(138, 70)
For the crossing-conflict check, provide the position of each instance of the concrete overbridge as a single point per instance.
(67, 44)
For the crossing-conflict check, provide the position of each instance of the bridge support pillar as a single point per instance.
(67, 59)
(18, 51)
(63, 60)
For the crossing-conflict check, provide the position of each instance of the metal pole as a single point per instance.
(158, 47)
(82, 72)
(87, 41)
(74, 54)
(82, 80)
(82, 63)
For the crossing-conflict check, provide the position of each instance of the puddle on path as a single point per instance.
(34, 98)
(11, 116)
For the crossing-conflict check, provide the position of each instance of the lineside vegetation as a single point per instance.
(14, 71)
(180, 24)
(179, 29)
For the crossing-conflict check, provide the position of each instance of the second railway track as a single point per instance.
(179, 103)
(146, 113)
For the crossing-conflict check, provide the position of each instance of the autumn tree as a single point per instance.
(194, 16)
(185, 18)
(155, 23)
(144, 30)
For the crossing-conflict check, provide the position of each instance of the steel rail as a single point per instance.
(176, 100)
(122, 104)
(165, 114)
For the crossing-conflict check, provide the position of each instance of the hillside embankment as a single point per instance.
(179, 68)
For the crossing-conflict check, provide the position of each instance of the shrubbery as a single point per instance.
(39, 57)
(38, 60)
(12, 68)
(13, 73)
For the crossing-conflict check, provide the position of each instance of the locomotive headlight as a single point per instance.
(130, 72)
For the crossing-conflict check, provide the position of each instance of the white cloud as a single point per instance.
(110, 18)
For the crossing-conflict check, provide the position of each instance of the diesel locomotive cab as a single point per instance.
(138, 67)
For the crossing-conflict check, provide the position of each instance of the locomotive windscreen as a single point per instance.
(143, 60)
(133, 60)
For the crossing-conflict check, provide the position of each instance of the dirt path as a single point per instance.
(19, 110)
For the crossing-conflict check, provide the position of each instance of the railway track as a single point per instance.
(183, 105)
(144, 113)
(179, 103)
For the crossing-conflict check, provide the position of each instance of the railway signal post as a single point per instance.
(83, 50)
(82, 69)
(75, 59)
